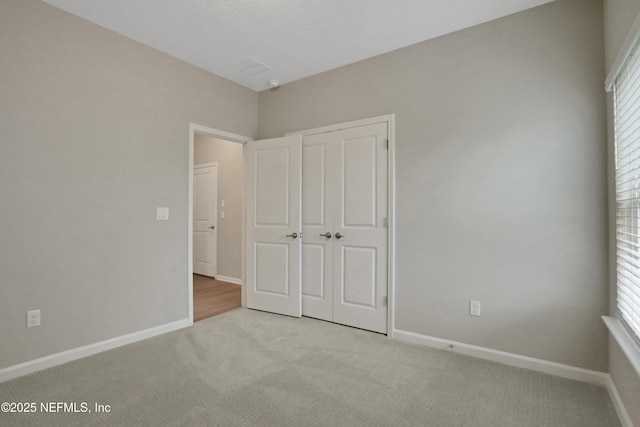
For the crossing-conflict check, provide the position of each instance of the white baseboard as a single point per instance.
(512, 359)
(227, 279)
(623, 415)
(539, 365)
(87, 350)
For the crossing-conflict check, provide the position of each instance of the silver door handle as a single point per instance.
(212, 227)
(327, 235)
(294, 235)
(339, 236)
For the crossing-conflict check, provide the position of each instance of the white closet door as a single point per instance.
(319, 160)
(273, 246)
(360, 255)
(345, 194)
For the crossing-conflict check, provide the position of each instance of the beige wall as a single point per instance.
(94, 132)
(618, 18)
(228, 155)
(501, 173)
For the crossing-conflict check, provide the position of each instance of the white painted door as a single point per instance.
(205, 233)
(345, 194)
(319, 202)
(273, 246)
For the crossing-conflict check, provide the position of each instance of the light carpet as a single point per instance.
(249, 368)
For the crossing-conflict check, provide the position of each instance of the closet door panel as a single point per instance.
(318, 154)
(360, 254)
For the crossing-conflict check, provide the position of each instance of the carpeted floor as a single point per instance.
(248, 368)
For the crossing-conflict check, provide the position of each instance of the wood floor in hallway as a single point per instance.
(211, 297)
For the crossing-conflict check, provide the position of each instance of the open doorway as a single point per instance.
(216, 221)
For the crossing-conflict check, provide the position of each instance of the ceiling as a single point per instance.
(252, 42)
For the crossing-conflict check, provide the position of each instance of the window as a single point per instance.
(627, 181)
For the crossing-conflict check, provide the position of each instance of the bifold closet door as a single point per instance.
(344, 254)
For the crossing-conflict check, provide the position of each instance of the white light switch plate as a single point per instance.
(474, 308)
(222, 214)
(162, 214)
(222, 203)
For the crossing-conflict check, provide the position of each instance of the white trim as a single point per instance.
(390, 119)
(243, 291)
(87, 350)
(391, 304)
(625, 341)
(215, 133)
(533, 364)
(228, 279)
(625, 50)
(205, 165)
(618, 404)
(539, 365)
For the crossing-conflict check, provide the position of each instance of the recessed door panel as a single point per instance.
(313, 184)
(201, 185)
(359, 191)
(272, 268)
(313, 278)
(358, 284)
(272, 186)
(200, 247)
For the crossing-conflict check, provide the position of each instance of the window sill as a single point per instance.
(625, 341)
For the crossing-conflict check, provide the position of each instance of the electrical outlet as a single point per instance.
(33, 318)
(162, 214)
(474, 308)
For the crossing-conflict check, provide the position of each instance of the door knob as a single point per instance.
(294, 235)
(327, 235)
(339, 236)
(212, 227)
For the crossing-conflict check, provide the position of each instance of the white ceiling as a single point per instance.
(254, 41)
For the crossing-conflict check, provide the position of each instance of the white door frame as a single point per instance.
(227, 136)
(391, 186)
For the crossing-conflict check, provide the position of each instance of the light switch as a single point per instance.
(222, 214)
(222, 203)
(162, 214)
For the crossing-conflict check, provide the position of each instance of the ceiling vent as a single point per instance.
(250, 67)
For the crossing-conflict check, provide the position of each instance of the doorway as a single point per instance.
(212, 297)
(216, 221)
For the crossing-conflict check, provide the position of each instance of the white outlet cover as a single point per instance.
(33, 318)
(162, 214)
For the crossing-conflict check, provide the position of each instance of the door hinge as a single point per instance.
(385, 301)
(387, 144)
(386, 223)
